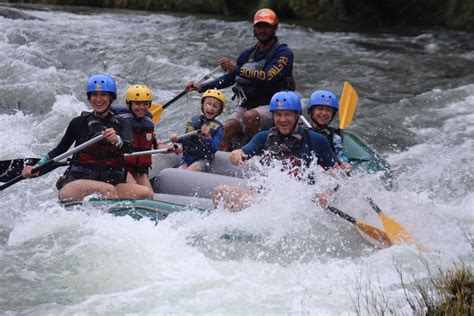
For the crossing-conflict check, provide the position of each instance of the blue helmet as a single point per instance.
(286, 101)
(102, 83)
(323, 97)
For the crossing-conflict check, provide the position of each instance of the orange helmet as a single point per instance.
(265, 15)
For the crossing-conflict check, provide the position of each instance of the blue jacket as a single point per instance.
(272, 77)
(197, 147)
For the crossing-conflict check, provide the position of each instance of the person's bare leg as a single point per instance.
(195, 166)
(232, 129)
(235, 198)
(78, 189)
(252, 124)
(133, 191)
(142, 179)
(130, 178)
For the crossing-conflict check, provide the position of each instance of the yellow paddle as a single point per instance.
(396, 233)
(347, 105)
(157, 109)
(371, 231)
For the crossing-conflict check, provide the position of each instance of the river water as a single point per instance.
(416, 90)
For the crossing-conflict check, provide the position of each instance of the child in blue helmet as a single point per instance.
(199, 150)
(322, 107)
(98, 168)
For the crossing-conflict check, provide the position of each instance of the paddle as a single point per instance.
(9, 169)
(396, 233)
(162, 150)
(347, 105)
(372, 232)
(157, 109)
(53, 162)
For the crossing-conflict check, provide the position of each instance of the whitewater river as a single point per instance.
(416, 105)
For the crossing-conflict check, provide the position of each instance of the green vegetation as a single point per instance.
(456, 14)
(449, 292)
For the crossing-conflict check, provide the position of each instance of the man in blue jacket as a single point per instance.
(288, 142)
(260, 72)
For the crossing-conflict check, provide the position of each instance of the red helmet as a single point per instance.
(265, 15)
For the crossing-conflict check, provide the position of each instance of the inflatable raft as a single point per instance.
(179, 190)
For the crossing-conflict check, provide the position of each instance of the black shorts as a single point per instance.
(112, 176)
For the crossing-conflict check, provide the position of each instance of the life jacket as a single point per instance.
(195, 146)
(252, 96)
(288, 149)
(143, 135)
(102, 155)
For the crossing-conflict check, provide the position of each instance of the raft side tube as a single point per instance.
(191, 183)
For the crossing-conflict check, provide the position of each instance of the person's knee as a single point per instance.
(232, 127)
(251, 118)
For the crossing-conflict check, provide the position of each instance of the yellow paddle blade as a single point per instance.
(374, 233)
(395, 231)
(347, 105)
(156, 110)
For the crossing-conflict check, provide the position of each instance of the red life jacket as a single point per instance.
(102, 155)
(143, 134)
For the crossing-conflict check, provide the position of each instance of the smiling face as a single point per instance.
(100, 102)
(139, 108)
(211, 107)
(264, 32)
(322, 115)
(285, 121)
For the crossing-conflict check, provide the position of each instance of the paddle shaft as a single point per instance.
(50, 163)
(373, 205)
(184, 92)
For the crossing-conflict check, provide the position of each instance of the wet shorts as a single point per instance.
(112, 176)
(266, 118)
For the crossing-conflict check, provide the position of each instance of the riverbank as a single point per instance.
(452, 14)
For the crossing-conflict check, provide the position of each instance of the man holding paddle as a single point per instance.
(97, 168)
(260, 71)
(288, 142)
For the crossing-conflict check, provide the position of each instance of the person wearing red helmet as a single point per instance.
(259, 72)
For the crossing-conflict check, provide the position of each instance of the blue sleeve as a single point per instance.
(214, 142)
(281, 65)
(222, 82)
(338, 145)
(322, 150)
(256, 144)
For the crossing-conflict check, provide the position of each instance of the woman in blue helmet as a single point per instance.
(322, 107)
(287, 142)
(98, 168)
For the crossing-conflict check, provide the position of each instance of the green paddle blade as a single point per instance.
(347, 105)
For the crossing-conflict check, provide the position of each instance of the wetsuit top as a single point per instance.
(101, 155)
(197, 147)
(308, 145)
(260, 73)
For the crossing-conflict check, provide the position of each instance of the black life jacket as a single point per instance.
(195, 146)
(253, 95)
(289, 149)
(102, 155)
